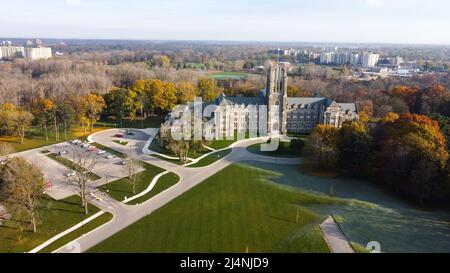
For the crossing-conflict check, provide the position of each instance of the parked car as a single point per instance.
(118, 135)
(109, 156)
(70, 174)
(92, 149)
(63, 152)
(101, 152)
(125, 162)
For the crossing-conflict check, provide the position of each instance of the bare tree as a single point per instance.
(84, 164)
(133, 164)
(23, 185)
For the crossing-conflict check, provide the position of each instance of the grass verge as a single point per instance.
(101, 220)
(122, 188)
(211, 159)
(164, 183)
(237, 209)
(54, 217)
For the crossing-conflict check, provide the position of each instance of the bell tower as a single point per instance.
(276, 92)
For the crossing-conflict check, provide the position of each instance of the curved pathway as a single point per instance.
(125, 215)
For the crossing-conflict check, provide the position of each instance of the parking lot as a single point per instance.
(108, 167)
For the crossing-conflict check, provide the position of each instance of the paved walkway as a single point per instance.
(125, 216)
(335, 237)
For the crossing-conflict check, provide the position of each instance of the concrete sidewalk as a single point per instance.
(335, 237)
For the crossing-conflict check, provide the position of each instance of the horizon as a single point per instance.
(339, 21)
(261, 42)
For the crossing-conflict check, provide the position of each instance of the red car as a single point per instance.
(119, 135)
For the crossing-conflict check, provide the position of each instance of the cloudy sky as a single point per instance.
(373, 21)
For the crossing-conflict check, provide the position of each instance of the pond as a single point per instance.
(372, 213)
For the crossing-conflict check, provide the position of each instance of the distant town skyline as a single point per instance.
(339, 21)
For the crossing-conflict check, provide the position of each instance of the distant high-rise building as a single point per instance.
(370, 59)
(354, 59)
(10, 52)
(326, 57)
(38, 53)
(342, 58)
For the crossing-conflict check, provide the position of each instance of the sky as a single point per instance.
(352, 21)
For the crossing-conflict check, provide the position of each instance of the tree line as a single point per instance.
(406, 150)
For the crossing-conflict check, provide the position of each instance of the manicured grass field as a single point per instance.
(235, 210)
(53, 218)
(122, 188)
(71, 165)
(284, 150)
(211, 159)
(167, 181)
(35, 138)
(103, 219)
(229, 76)
(152, 122)
(221, 144)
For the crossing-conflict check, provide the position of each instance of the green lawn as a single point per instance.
(109, 150)
(70, 164)
(174, 161)
(167, 181)
(211, 159)
(54, 217)
(238, 208)
(35, 138)
(284, 150)
(103, 219)
(229, 76)
(221, 144)
(122, 188)
(153, 122)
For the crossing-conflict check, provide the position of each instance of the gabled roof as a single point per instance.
(349, 107)
(240, 100)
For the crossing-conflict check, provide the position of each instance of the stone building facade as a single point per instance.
(284, 114)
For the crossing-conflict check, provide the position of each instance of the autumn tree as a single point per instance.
(23, 185)
(21, 121)
(158, 95)
(122, 103)
(186, 92)
(323, 146)
(431, 100)
(355, 146)
(45, 114)
(207, 88)
(93, 106)
(412, 154)
(407, 94)
(5, 117)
